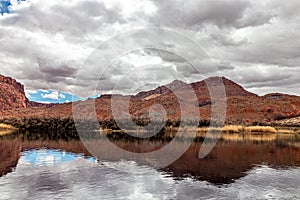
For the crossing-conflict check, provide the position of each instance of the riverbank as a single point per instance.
(251, 129)
(66, 128)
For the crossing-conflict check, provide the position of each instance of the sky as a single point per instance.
(76, 48)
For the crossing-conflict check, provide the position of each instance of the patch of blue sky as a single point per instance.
(51, 96)
(6, 4)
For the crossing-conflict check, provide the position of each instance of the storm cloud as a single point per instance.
(45, 44)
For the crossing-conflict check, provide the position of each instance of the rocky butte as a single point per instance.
(12, 94)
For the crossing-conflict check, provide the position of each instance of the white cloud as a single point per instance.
(45, 102)
(62, 96)
(31, 91)
(51, 95)
(28, 93)
(44, 43)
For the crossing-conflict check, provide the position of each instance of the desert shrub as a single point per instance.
(264, 129)
(286, 131)
(232, 129)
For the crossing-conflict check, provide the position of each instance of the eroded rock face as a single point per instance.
(12, 94)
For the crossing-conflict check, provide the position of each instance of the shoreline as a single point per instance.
(109, 126)
(226, 133)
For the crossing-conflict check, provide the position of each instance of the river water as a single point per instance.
(236, 169)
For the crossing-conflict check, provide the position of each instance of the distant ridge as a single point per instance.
(242, 106)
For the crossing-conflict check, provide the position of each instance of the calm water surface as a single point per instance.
(255, 167)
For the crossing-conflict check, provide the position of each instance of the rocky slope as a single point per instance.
(242, 107)
(12, 94)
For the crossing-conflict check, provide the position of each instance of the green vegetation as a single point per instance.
(40, 124)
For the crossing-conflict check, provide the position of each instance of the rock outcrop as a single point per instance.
(12, 94)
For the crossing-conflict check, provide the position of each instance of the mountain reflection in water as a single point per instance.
(261, 166)
(227, 162)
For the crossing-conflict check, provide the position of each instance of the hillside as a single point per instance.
(243, 107)
(12, 94)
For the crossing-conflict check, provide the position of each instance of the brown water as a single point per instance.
(262, 166)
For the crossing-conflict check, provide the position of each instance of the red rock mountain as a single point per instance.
(12, 94)
(242, 106)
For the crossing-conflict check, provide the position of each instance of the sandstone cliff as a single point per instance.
(12, 94)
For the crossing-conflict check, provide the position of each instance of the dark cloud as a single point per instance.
(223, 66)
(165, 55)
(191, 13)
(288, 11)
(256, 43)
(252, 17)
(56, 69)
(227, 41)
